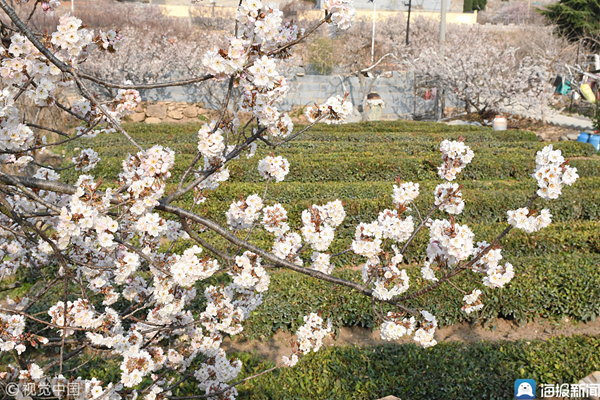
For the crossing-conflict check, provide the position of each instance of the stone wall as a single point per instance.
(167, 111)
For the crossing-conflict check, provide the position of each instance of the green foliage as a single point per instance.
(472, 5)
(484, 370)
(596, 117)
(575, 19)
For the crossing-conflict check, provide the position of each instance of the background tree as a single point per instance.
(575, 19)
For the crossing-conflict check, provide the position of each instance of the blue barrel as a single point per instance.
(595, 141)
(583, 137)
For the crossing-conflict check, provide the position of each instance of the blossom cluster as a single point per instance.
(110, 41)
(368, 237)
(405, 193)
(248, 273)
(472, 302)
(278, 124)
(321, 262)
(319, 223)
(394, 327)
(424, 335)
(274, 168)
(427, 272)
(242, 214)
(311, 334)
(275, 219)
(343, 14)
(455, 156)
(78, 314)
(210, 141)
(72, 37)
(449, 197)
(522, 218)
(188, 268)
(449, 241)
(334, 111)
(86, 161)
(495, 275)
(387, 279)
(124, 103)
(217, 370)
(11, 331)
(144, 174)
(286, 247)
(552, 173)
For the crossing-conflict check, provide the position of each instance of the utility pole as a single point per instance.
(373, 38)
(439, 101)
(443, 26)
(408, 21)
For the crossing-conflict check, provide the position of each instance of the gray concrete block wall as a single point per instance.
(397, 92)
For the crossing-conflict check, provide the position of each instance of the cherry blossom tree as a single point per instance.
(488, 76)
(115, 288)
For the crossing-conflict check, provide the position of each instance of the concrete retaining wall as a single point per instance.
(396, 90)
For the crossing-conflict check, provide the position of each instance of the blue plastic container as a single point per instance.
(583, 137)
(595, 141)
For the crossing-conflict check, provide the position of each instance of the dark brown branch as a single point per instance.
(203, 242)
(146, 86)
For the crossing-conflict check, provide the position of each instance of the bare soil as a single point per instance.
(544, 132)
(279, 345)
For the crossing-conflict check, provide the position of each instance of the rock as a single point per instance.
(140, 107)
(390, 397)
(564, 138)
(190, 112)
(137, 117)
(174, 114)
(458, 122)
(153, 120)
(593, 378)
(572, 136)
(156, 111)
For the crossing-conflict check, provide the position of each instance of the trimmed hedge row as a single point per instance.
(365, 200)
(551, 286)
(420, 146)
(484, 370)
(377, 166)
(369, 131)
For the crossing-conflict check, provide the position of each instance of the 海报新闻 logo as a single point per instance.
(524, 389)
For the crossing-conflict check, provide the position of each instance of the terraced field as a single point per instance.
(557, 269)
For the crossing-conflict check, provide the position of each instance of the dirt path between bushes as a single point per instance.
(279, 345)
